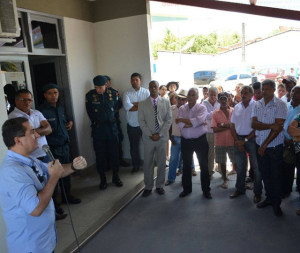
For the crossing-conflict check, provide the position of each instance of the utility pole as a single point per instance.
(243, 43)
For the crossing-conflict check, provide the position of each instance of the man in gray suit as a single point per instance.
(155, 118)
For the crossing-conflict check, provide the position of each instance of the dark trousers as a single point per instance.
(270, 165)
(62, 153)
(134, 135)
(106, 152)
(288, 172)
(188, 147)
(121, 137)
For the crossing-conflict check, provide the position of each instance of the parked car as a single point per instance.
(270, 73)
(204, 77)
(231, 81)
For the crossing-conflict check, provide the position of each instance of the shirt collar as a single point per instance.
(26, 160)
(272, 101)
(154, 99)
(19, 111)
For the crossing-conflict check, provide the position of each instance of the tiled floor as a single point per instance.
(96, 207)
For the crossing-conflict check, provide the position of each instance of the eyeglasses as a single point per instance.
(25, 100)
(40, 178)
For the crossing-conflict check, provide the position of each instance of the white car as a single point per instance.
(231, 81)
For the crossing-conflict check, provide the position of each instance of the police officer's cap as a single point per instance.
(99, 80)
(108, 78)
(50, 86)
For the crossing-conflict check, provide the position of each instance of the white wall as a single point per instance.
(122, 48)
(3, 149)
(81, 57)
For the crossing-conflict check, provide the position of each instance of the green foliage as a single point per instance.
(207, 44)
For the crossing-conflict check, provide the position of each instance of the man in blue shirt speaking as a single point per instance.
(27, 185)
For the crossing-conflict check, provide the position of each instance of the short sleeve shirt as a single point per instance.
(223, 138)
(275, 109)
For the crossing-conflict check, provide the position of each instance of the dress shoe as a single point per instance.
(59, 210)
(160, 191)
(183, 194)
(168, 183)
(134, 170)
(194, 173)
(256, 198)
(103, 185)
(207, 195)
(117, 182)
(298, 211)
(60, 216)
(72, 200)
(264, 204)
(123, 163)
(146, 193)
(236, 194)
(277, 211)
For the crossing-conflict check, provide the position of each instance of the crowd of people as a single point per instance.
(254, 127)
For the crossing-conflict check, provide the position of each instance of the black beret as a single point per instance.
(50, 86)
(108, 78)
(100, 80)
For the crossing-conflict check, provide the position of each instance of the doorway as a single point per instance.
(53, 69)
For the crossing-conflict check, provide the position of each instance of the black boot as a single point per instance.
(103, 183)
(116, 180)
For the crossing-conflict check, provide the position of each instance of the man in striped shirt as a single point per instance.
(268, 116)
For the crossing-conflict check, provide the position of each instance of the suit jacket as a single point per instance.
(146, 118)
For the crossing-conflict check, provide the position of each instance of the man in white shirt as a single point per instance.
(23, 100)
(131, 101)
(244, 140)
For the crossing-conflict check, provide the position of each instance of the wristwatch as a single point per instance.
(246, 139)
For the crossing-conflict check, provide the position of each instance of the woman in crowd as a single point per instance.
(281, 90)
(163, 91)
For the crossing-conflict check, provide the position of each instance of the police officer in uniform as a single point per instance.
(58, 140)
(102, 107)
(109, 89)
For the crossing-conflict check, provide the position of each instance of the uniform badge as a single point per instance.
(96, 110)
(95, 98)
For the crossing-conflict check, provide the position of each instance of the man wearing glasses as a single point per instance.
(23, 100)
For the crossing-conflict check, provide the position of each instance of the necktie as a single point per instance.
(156, 120)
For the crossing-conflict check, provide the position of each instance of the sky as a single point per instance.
(204, 21)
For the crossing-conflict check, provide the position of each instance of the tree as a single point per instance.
(207, 44)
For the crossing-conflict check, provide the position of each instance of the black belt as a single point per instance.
(242, 136)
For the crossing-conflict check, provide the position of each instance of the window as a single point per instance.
(244, 76)
(44, 35)
(233, 77)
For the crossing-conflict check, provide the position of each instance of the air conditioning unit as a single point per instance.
(9, 23)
